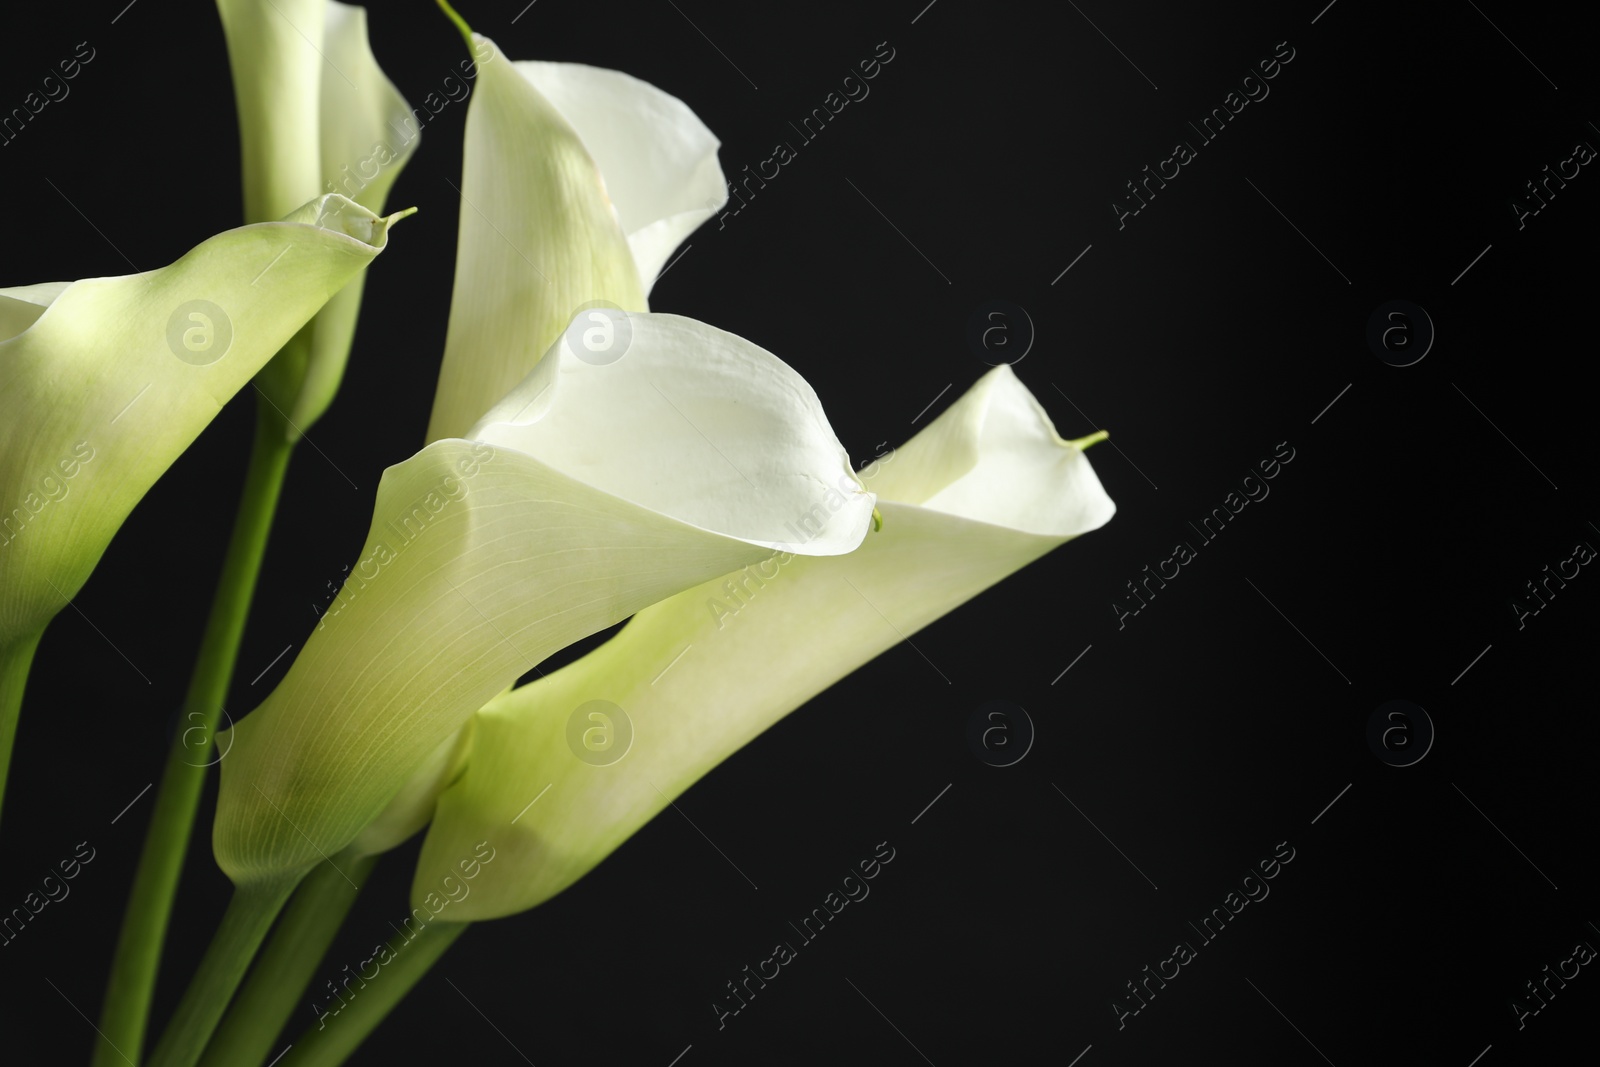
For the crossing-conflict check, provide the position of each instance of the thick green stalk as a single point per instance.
(250, 914)
(15, 661)
(125, 1016)
(341, 1033)
(262, 1009)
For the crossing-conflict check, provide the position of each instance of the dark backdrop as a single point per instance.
(1185, 744)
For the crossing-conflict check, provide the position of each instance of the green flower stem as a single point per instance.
(330, 1043)
(262, 1008)
(461, 23)
(250, 913)
(15, 661)
(125, 1016)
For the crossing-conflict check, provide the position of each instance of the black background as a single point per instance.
(1212, 727)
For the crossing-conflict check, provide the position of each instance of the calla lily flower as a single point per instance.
(104, 382)
(589, 492)
(982, 491)
(542, 237)
(316, 114)
(577, 184)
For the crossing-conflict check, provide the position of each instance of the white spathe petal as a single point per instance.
(486, 556)
(274, 53)
(366, 130)
(719, 395)
(114, 377)
(1018, 450)
(21, 306)
(538, 241)
(410, 809)
(699, 675)
(658, 159)
(316, 114)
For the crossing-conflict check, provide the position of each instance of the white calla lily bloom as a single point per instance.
(105, 381)
(316, 115)
(985, 489)
(577, 184)
(591, 491)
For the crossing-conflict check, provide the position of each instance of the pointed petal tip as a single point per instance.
(338, 213)
(1082, 443)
